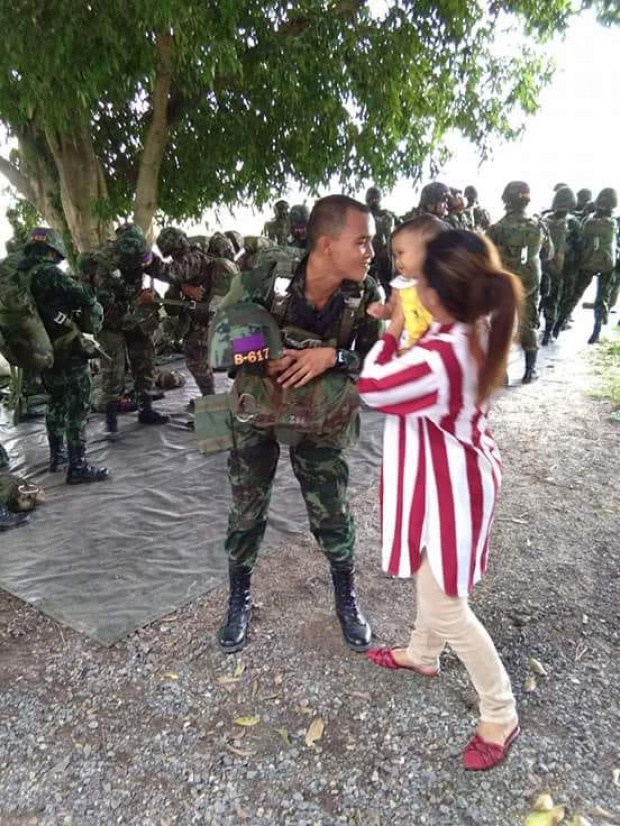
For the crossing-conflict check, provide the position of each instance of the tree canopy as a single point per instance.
(127, 108)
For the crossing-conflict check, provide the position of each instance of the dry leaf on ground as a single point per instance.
(315, 731)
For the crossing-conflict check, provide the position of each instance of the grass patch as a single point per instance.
(606, 363)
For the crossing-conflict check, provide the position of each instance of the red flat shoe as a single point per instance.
(384, 658)
(479, 755)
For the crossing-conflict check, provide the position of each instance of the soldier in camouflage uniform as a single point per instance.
(585, 204)
(66, 308)
(521, 242)
(299, 216)
(479, 216)
(196, 277)
(321, 308)
(458, 216)
(433, 199)
(381, 267)
(598, 259)
(220, 246)
(116, 273)
(278, 228)
(561, 268)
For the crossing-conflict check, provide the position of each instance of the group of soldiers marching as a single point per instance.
(111, 294)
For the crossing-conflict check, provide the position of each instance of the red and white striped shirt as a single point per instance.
(441, 466)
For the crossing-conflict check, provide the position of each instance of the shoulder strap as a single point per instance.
(353, 311)
(279, 295)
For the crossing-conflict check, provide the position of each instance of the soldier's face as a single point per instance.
(351, 252)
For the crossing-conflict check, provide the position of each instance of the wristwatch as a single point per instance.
(341, 359)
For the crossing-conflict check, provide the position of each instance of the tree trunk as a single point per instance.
(156, 137)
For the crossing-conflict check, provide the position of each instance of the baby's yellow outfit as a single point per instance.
(417, 317)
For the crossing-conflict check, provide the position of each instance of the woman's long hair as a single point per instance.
(466, 272)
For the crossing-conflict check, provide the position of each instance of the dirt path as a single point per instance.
(148, 732)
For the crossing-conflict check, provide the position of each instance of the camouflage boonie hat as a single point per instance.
(564, 198)
(171, 239)
(48, 238)
(243, 335)
(132, 249)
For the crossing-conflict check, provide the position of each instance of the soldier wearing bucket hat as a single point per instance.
(294, 335)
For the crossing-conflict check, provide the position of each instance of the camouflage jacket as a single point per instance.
(384, 224)
(258, 286)
(523, 244)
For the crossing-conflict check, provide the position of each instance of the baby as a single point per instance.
(408, 242)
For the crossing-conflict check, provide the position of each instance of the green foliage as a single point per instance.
(22, 216)
(266, 91)
(606, 362)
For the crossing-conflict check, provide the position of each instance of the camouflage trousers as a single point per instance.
(322, 471)
(68, 405)
(196, 350)
(4, 457)
(604, 293)
(123, 346)
(528, 323)
(558, 283)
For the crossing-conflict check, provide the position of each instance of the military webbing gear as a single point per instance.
(599, 243)
(244, 335)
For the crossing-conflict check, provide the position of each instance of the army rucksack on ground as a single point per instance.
(26, 343)
(599, 243)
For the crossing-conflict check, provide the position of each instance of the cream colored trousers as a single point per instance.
(442, 619)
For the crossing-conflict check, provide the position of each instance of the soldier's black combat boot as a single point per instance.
(58, 455)
(146, 414)
(354, 624)
(11, 520)
(80, 471)
(111, 417)
(596, 332)
(530, 366)
(233, 635)
(547, 334)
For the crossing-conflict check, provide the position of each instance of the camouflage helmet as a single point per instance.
(560, 186)
(221, 247)
(564, 198)
(124, 227)
(516, 193)
(243, 335)
(281, 208)
(132, 249)
(583, 196)
(433, 193)
(373, 195)
(236, 239)
(471, 193)
(171, 239)
(607, 199)
(45, 237)
(299, 215)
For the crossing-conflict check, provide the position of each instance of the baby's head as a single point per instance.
(409, 240)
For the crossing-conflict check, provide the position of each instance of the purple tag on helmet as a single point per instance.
(245, 344)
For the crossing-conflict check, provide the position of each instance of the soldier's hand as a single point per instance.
(306, 365)
(193, 292)
(274, 367)
(146, 297)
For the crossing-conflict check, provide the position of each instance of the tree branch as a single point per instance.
(17, 179)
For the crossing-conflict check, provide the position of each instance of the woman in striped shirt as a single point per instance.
(442, 469)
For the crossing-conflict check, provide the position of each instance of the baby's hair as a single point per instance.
(465, 271)
(426, 224)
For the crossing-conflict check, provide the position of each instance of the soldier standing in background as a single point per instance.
(278, 228)
(521, 240)
(299, 224)
(67, 309)
(585, 204)
(381, 267)
(561, 268)
(479, 216)
(196, 278)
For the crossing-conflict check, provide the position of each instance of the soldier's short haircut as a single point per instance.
(329, 216)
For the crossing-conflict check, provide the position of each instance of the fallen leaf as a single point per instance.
(530, 683)
(537, 667)
(227, 680)
(315, 731)
(361, 694)
(580, 651)
(254, 689)
(170, 675)
(616, 776)
(549, 818)
(283, 732)
(543, 803)
(278, 679)
(240, 752)
(246, 721)
(239, 670)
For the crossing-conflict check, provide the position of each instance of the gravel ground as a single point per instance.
(150, 731)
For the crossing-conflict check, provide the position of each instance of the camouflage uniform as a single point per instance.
(60, 300)
(521, 242)
(561, 268)
(479, 217)
(192, 266)
(318, 461)
(279, 227)
(381, 266)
